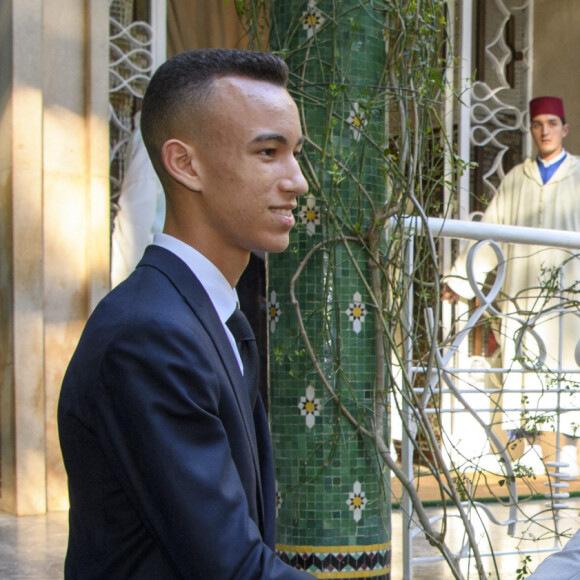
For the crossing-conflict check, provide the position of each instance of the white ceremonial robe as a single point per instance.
(141, 210)
(523, 200)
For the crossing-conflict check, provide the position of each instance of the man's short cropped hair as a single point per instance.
(185, 83)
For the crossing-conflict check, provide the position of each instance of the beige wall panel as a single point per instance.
(54, 225)
(97, 131)
(25, 491)
(29, 428)
(6, 271)
(64, 183)
(557, 59)
(66, 302)
(76, 206)
(6, 333)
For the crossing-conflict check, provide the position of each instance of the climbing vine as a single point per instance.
(370, 78)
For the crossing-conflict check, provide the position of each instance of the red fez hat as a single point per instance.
(547, 106)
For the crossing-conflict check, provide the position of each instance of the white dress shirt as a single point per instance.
(223, 297)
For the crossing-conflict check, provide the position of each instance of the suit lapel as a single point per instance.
(195, 295)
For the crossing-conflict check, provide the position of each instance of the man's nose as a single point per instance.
(302, 183)
(296, 183)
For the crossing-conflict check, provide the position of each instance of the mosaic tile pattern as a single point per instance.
(340, 561)
(333, 506)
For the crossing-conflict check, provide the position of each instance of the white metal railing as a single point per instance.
(446, 381)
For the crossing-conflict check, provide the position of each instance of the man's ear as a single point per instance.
(180, 162)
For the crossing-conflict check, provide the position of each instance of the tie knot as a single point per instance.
(239, 326)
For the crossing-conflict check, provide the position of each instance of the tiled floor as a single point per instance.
(525, 539)
(33, 547)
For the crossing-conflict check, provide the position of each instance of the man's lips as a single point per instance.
(285, 215)
(282, 211)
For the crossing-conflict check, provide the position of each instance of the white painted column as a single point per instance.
(466, 72)
(159, 25)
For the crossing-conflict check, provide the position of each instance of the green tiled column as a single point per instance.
(333, 496)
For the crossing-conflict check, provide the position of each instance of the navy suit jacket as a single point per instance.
(169, 467)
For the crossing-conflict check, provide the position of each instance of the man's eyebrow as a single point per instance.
(274, 137)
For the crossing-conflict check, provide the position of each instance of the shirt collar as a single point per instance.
(223, 297)
(552, 161)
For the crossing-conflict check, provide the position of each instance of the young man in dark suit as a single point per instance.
(164, 439)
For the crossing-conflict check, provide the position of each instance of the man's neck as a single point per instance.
(553, 157)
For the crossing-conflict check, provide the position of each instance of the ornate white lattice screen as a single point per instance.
(500, 92)
(131, 64)
(494, 45)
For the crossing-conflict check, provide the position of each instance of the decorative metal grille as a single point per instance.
(499, 96)
(130, 68)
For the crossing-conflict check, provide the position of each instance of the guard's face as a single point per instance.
(249, 173)
(548, 133)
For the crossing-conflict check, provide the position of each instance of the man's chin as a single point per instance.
(546, 153)
(278, 246)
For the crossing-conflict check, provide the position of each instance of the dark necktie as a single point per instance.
(246, 341)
